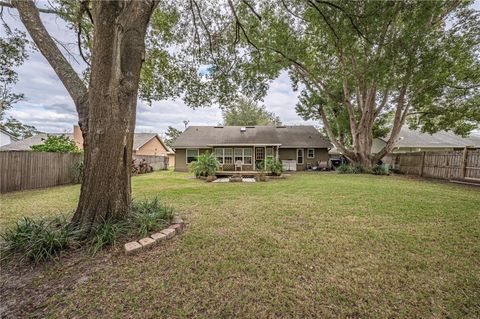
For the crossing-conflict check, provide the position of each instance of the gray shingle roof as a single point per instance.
(139, 139)
(412, 138)
(24, 145)
(285, 136)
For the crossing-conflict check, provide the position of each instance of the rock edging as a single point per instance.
(175, 228)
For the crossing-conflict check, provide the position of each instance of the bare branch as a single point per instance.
(325, 19)
(291, 12)
(42, 10)
(83, 8)
(349, 18)
(197, 35)
(240, 25)
(259, 17)
(209, 36)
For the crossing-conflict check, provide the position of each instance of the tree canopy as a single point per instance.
(249, 112)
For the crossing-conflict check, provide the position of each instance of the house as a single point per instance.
(143, 143)
(409, 141)
(298, 147)
(6, 138)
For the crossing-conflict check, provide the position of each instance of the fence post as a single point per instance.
(464, 161)
(423, 164)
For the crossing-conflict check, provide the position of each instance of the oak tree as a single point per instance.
(365, 65)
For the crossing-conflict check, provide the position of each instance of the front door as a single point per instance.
(259, 157)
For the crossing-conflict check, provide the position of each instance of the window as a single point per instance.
(311, 153)
(228, 156)
(269, 152)
(192, 155)
(300, 156)
(219, 155)
(247, 156)
(259, 154)
(238, 154)
(232, 155)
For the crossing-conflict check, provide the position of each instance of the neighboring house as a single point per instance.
(6, 138)
(143, 143)
(415, 141)
(298, 147)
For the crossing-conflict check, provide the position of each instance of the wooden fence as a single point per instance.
(21, 170)
(157, 162)
(445, 165)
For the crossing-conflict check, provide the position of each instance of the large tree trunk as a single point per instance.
(107, 108)
(118, 52)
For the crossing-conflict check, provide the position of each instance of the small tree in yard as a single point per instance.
(57, 144)
(171, 135)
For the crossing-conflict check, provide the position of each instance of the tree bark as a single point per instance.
(118, 53)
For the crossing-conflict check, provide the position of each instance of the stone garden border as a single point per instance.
(175, 228)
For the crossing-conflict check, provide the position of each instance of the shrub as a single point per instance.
(344, 169)
(77, 170)
(150, 215)
(380, 170)
(274, 166)
(359, 169)
(57, 144)
(106, 234)
(38, 240)
(205, 165)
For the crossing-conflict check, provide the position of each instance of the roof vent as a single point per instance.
(218, 126)
(250, 126)
(281, 126)
(243, 129)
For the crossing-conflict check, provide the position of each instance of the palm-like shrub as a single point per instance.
(205, 165)
(274, 166)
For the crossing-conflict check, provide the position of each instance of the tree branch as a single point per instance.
(259, 17)
(240, 25)
(42, 10)
(29, 15)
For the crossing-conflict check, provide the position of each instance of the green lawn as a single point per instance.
(322, 245)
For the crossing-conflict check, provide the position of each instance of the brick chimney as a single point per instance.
(77, 136)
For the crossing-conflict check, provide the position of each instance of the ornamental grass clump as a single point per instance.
(149, 215)
(38, 240)
(106, 234)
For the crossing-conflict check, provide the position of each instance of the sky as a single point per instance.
(49, 108)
